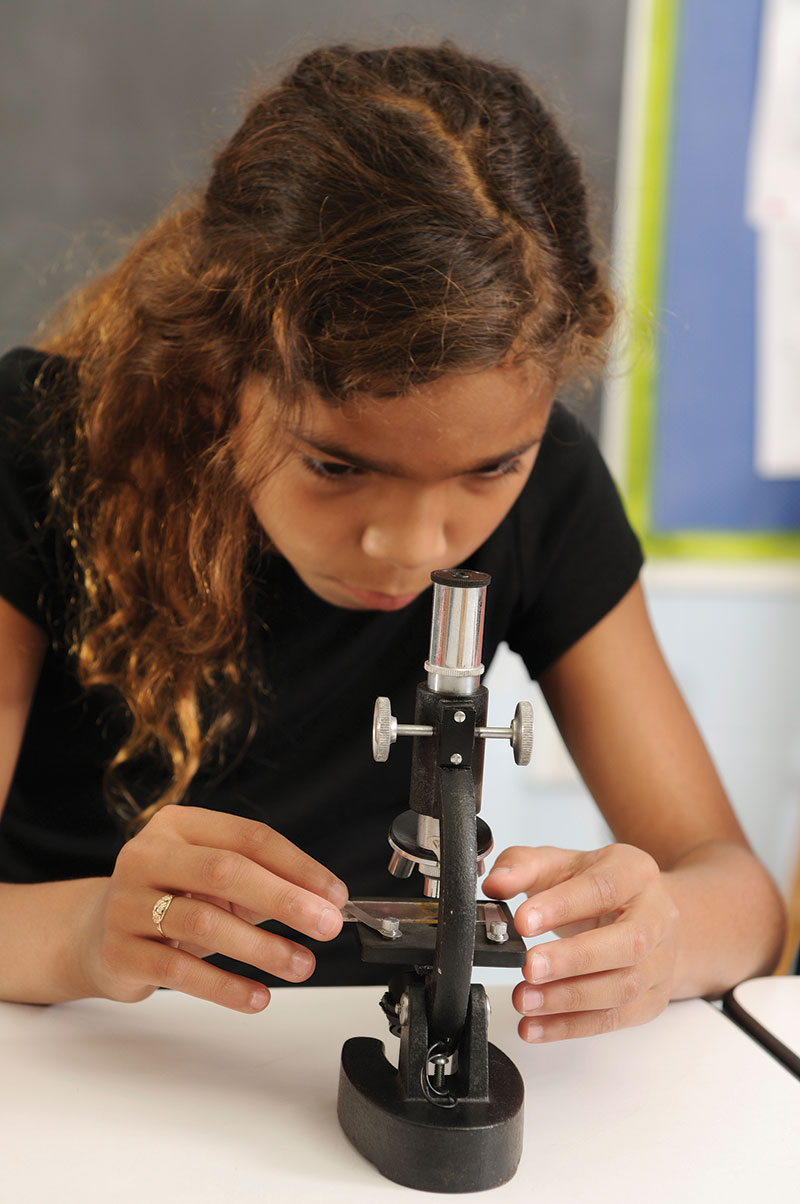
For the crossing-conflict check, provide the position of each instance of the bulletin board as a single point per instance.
(688, 474)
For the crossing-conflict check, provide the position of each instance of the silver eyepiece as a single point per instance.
(454, 661)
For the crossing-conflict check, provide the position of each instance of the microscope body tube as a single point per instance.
(454, 670)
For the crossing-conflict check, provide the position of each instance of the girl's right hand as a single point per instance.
(226, 875)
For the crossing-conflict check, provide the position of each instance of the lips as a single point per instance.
(379, 601)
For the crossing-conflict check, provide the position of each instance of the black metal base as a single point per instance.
(394, 1119)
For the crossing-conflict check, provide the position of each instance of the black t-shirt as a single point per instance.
(559, 561)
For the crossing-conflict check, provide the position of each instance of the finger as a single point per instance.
(253, 840)
(195, 922)
(237, 879)
(602, 884)
(570, 1025)
(160, 964)
(244, 913)
(587, 993)
(625, 943)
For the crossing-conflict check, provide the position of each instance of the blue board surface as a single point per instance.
(703, 474)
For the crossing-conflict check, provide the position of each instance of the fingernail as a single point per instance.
(302, 963)
(500, 869)
(540, 967)
(337, 894)
(328, 920)
(534, 923)
(259, 999)
(532, 999)
(534, 1032)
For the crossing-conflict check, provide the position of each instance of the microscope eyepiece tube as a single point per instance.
(454, 662)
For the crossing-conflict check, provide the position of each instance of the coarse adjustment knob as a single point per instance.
(522, 733)
(384, 729)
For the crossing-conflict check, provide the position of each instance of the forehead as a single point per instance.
(456, 422)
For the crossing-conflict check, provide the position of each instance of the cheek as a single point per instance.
(294, 516)
(483, 512)
(264, 507)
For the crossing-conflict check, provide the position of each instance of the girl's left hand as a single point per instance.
(614, 964)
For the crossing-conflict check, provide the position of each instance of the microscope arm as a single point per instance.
(448, 985)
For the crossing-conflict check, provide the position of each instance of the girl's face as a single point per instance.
(369, 498)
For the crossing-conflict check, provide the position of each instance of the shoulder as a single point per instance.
(20, 365)
(575, 552)
(32, 382)
(23, 463)
(19, 369)
(570, 496)
(24, 369)
(570, 462)
(27, 378)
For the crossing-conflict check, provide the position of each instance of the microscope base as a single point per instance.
(472, 1146)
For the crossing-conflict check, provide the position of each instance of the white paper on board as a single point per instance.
(773, 186)
(777, 443)
(773, 207)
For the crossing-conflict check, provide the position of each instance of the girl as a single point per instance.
(227, 476)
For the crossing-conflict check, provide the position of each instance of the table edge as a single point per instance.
(738, 1013)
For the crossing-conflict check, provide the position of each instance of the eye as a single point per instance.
(330, 470)
(504, 469)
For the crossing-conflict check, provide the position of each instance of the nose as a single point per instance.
(410, 536)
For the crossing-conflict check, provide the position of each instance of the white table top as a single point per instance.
(174, 1099)
(772, 1005)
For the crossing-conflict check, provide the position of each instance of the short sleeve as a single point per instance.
(578, 555)
(26, 562)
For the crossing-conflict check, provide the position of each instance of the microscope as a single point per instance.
(449, 1117)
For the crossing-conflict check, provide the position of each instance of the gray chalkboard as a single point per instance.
(110, 106)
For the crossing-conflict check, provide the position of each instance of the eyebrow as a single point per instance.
(337, 452)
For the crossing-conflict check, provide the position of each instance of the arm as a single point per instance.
(680, 907)
(67, 940)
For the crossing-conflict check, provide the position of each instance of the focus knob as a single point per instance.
(521, 733)
(384, 729)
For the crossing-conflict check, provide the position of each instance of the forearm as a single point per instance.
(40, 939)
(732, 919)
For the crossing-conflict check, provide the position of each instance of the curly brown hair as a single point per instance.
(382, 217)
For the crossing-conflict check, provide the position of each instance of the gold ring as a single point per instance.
(160, 910)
